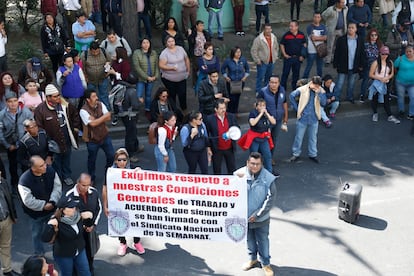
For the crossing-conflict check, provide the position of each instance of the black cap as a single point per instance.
(67, 202)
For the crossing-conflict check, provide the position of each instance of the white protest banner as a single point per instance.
(157, 204)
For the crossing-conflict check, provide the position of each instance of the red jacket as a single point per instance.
(48, 6)
(247, 139)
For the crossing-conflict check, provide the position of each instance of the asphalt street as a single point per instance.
(307, 238)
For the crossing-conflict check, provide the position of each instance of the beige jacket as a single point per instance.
(260, 49)
(330, 16)
(304, 99)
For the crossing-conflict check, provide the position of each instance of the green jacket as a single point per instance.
(140, 63)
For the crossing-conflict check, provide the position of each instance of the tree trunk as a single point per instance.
(130, 23)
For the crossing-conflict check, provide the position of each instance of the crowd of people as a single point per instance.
(44, 111)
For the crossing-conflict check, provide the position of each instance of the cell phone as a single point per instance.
(50, 269)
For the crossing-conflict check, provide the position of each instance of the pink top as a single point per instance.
(30, 101)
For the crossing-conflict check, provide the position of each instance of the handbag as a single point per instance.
(321, 49)
(132, 78)
(236, 87)
(94, 242)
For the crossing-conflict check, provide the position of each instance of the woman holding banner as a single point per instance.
(121, 161)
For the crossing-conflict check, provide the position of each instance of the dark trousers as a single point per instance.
(145, 18)
(104, 16)
(177, 89)
(56, 62)
(93, 148)
(2, 169)
(12, 156)
(89, 256)
(292, 7)
(196, 157)
(238, 12)
(123, 240)
(229, 158)
(115, 23)
(3, 64)
(131, 141)
(374, 104)
(70, 17)
(261, 10)
(293, 64)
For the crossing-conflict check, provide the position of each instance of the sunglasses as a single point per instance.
(121, 159)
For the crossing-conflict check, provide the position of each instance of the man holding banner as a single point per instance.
(261, 190)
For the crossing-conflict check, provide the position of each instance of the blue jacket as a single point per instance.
(260, 195)
(276, 111)
(235, 71)
(72, 85)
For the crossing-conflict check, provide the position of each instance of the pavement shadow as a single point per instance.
(332, 236)
(371, 223)
(184, 263)
(299, 271)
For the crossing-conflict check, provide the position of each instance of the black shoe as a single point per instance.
(276, 174)
(351, 101)
(11, 273)
(314, 159)
(293, 159)
(114, 120)
(401, 115)
(361, 99)
(220, 38)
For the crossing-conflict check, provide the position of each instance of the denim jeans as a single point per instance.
(261, 10)
(310, 60)
(351, 84)
(61, 163)
(401, 88)
(333, 107)
(102, 91)
(219, 17)
(264, 149)
(93, 148)
(80, 262)
(312, 139)
(264, 72)
(144, 90)
(147, 25)
(258, 242)
(170, 166)
(274, 131)
(37, 228)
(293, 64)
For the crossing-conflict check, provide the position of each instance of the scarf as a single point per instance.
(71, 220)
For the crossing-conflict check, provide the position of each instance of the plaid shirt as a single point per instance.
(93, 67)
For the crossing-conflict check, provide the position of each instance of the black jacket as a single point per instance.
(93, 203)
(340, 61)
(67, 241)
(212, 129)
(155, 110)
(5, 189)
(206, 97)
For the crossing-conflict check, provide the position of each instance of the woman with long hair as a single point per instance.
(235, 69)
(145, 61)
(8, 84)
(171, 29)
(161, 102)
(371, 47)
(164, 151)
(381, 71)
(120, 67)
(194, 139)
(32, 98)
(121, 161)
(54, 40)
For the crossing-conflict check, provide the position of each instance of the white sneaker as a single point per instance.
(392, 118)
(375, 117)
